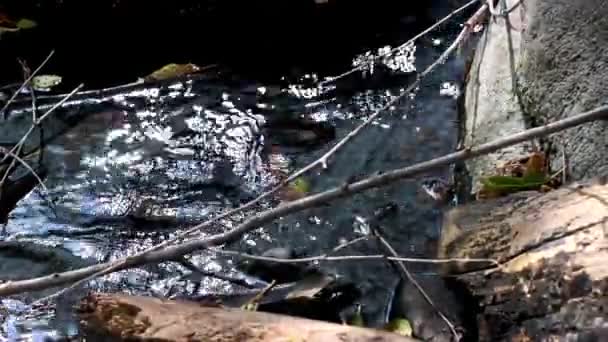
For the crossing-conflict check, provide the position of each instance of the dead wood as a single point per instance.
(125, 317)
(552, 247)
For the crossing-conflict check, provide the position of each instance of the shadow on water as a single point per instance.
(134, 168)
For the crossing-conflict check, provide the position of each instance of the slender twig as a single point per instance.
(411, 279)
(565, 166)
(58, 104)
(377, 180)
(258, 297)
(30, 88)
(12, 85)
(26, 165)
(195, 269)
(514, 78)
(402, 46)
(16, 150)
(26, 73)
(11, 166)
(41, 119)
(9, 170)
(129, 86)
(326, 257)
(24, 84)
(503, 11)
(349, 243)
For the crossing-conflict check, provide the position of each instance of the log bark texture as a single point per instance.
(553, 248)
(129, 318)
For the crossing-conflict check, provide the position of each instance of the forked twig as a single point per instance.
(411, 279)
(16, 150)
(398, 48)
(40, 120)
(24, 84)
(26, 165)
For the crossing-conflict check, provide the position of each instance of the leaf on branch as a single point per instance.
(25, 24)
(172, 71)
(400, 326)
(297, 189)
(300, 185)
(9, 25)
(523, 174)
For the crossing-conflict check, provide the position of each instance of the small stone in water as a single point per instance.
(314, 220)
(361, 226)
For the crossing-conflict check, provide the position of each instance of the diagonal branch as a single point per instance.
(413, 39)
(174, 252)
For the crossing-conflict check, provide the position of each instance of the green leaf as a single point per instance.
(172, 70)
(25, 24)
(301, 186)
(400, 326)
(510, 183)
(357, 319)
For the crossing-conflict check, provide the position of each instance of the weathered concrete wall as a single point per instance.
(560, 58)
(564, 71)
(491, 105)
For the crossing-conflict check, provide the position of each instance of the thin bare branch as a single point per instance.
(26, 74)
(40, 120)
(259, 296)
(504, 11)
(398, 48)
(410, 278)
(10, 168)
(24, 84)
(326, 257)
(26, 165)
(199, 271)
(58, 104)
(174, 252)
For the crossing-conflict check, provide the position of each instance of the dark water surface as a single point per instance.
(148, 163)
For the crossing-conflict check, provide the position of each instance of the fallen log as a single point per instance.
(125, 317)
(552, 248)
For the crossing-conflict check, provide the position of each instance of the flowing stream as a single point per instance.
(130, 169)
